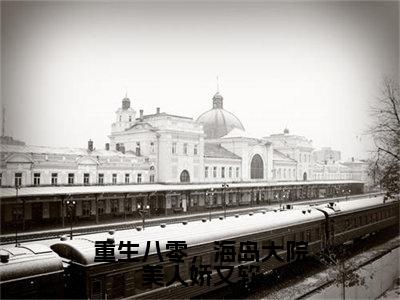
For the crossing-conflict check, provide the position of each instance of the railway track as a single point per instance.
(56, 233)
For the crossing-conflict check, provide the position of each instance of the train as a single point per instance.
(79, 268)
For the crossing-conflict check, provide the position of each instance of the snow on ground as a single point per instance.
(393, 293)
(378, 276)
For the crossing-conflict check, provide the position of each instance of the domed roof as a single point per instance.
(218, 122)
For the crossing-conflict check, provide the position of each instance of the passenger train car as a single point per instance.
(323, 227)
(33, 271)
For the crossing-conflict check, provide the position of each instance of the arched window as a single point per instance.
(304, 176)
(257, 167)
(185, 176)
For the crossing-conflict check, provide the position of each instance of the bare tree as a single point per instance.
(385, 131)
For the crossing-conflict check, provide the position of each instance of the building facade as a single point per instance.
(167, 162)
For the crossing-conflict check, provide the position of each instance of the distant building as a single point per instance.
(26, 165)
(326, 154)
(297, 148)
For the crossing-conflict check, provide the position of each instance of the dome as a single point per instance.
(218, 122)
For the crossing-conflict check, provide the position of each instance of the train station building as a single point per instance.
(168, 162)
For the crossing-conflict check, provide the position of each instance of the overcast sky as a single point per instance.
(311, 66)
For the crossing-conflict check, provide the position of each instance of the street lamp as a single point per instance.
(17, 214)
(276, 196)
(142, 211)
(225, 186)
(348, 194)
(210, 194)
(70, 207)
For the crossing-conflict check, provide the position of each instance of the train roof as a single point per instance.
(352, 205)
(9, 192)
(27, 261)
(82, 249)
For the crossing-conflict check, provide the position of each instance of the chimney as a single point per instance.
(158, 110)
(107, 146)
(117, 146)
(90, 145)
(141, 115)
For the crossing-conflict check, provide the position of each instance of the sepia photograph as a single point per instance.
(198, 149)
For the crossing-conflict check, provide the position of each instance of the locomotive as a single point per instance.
(321, 227)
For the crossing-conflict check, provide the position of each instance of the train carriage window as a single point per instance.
(118, 286)
(97, 290)
(308, 235)
(301, 236)
(139, 286)
(317, 233)
(347, 223)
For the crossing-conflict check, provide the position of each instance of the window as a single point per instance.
(137, 148)
(284, 173)
(86, 178)
(195, 150)
(130, 118)
(214, 172)
(71, 178)
(152, 147)
(126, 178)
(54, 177)
(237, 172)
(120, 119)
(152, 178)
(205, 172)
(230, 172)
(257, 167)
(1, 178)
(101, 178)
(173, 148)
(36, 179)
(114, 178)
(18, 179)
(222, 172)
(185, 148)
(139, 178)
(185, 177)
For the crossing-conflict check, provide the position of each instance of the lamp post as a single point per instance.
(348, 194)
(225, 186)
(142, 211)
(16, 213)
(70, 207)
(276, 196)
(210, 194)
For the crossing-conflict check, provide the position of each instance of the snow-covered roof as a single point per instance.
(7, 192)
(82, 248)
(280, 156)
(353, 205)
(61, 151)
(216, 151)
(28, 260)
(239, 133)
